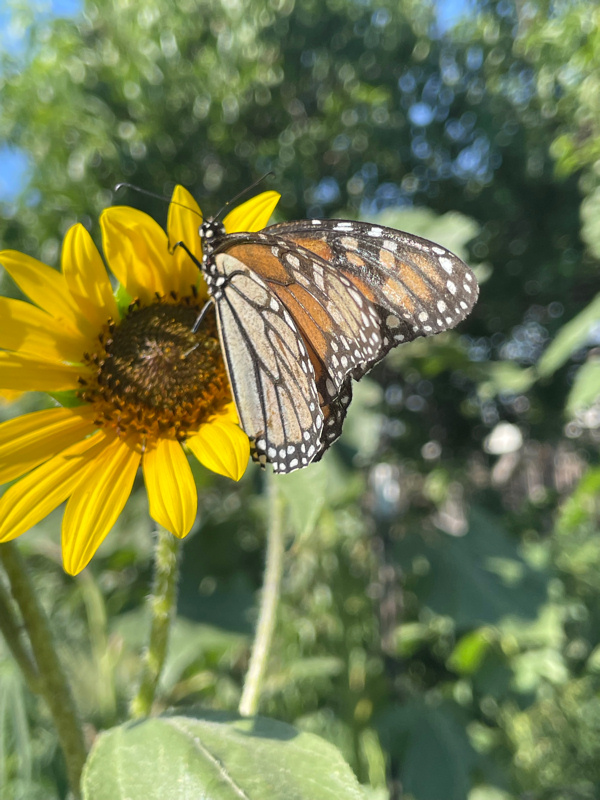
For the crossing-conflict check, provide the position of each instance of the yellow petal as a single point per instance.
(171, 489)
(25, 373)
(87, 278)
(97, 501)
(222, 447)
(45, 286)
(183, 222)
(253, 215)
(229, 414)
(33, 497)
(27, 329)
(33, 438)
(137, 251)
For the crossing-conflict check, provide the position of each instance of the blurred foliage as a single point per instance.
(441, 612)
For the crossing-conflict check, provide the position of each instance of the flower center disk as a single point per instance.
(153, 376)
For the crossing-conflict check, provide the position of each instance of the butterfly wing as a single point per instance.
(339, 326)
(271, 374)
(419, 287)
(342, 293)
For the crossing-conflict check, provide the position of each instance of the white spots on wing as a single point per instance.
(439, 251)
(446, 264)
(451, 287)
(271, 452)
(423, 316)
(467, 288)
(441, 306)
(390, 245)
(330, 387)
(375, 232)
(392, 321)
(399, 337)
(468, 276)
(463, 305)
(292, 260)
(316, 221)
(349, 243)
(427, 328)
(344, 226)
(275, 251)
(274, 304)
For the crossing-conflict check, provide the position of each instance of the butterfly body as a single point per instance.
(303, 308)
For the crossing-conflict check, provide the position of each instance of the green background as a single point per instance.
(441, 602)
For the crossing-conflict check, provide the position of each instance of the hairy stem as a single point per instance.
(162, 605)
(52, 681)
(268, 605)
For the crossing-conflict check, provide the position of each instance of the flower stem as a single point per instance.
(52, 681)
(162, 603)
(12, 632)
(268, 604)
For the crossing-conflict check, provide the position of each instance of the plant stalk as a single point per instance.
(162, 603)
(53, 684)
(269, 603)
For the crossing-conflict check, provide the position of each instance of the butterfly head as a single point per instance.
(210, 231)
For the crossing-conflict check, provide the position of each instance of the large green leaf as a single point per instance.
(571, 336)
(478, 578)
(215, 756)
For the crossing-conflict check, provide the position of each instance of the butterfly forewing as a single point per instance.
(305, 307)
(428, 286)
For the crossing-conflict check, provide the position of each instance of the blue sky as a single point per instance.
(13, 163)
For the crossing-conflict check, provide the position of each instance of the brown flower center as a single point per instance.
(154, 377)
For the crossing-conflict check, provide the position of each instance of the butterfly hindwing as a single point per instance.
(271, 375)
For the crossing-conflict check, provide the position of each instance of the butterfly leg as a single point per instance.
(201, 315)
(184, 246)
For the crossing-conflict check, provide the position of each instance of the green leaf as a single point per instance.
(571, 336)
(433, 748)
(304, 492)
(586, 387)
(477, 578)
(215, 756)
(505, 376)
(452, 230)
(470, 650)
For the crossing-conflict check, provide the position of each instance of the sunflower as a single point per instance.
(137, 386)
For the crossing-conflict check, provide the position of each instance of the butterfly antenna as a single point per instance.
(239, 194)
(154, 195)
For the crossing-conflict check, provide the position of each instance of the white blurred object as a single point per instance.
(504, 438)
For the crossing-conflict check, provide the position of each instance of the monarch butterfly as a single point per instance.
(303, 308)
